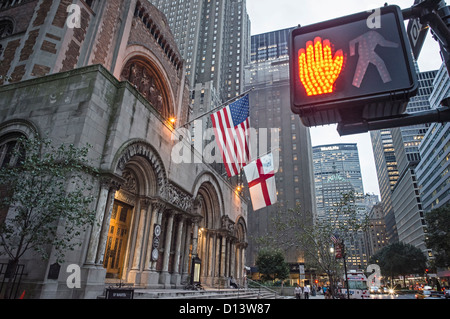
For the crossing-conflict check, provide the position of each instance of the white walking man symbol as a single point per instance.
(366, 50)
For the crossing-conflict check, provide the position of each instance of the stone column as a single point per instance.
(217, 257)
(137, 264)
(223, 256)
(176, 277)
(103, 236)
(195, 238)
(96, 227)
(187, 243)
(164, 277)
(233, 259)
(149, 276)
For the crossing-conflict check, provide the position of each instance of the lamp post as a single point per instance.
(345, 268)
(195, 270)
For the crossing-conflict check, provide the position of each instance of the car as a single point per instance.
(374, 290)
(423, 294)
(427, 294)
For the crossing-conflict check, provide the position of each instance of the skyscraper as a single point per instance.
(387, 173)
(286, 136)
(433, 169)
(214, 39)
(406, 201)
(397, 154)
(337, 172)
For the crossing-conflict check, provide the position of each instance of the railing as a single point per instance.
(252, 284)
(10, 279)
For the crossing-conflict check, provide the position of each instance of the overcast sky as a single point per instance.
(271, 15)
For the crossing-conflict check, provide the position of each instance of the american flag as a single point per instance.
(231, 125)
(334, 238)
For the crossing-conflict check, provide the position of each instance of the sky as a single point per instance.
(270, 15)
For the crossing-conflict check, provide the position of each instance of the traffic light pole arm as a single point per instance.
(429, 12)
(441, 115)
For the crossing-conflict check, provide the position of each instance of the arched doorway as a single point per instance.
(119, 230)
(143, 175)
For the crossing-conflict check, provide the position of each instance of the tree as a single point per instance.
(400, 259)
(438, 235)
(296, 228)
(271, 264)
(47, 197)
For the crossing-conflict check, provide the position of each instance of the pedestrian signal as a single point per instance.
(350, 69)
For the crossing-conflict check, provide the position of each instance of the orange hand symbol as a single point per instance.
(317, 69)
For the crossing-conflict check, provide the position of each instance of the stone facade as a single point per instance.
(73, 85)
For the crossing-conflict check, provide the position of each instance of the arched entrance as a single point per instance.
(220, 239)
(119, 230)
(134, 208)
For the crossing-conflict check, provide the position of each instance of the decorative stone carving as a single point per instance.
(227, 224)
(176, 197)
(130, 182)
(144, 150)
(144, 80)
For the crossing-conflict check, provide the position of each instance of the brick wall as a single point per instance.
(107, 32)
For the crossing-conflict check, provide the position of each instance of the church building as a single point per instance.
(109, 74)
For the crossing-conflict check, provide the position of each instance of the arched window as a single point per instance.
(6, 28)
(11, 153)
(148, 82)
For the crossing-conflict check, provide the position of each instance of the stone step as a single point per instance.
(203, 294)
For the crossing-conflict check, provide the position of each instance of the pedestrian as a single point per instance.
(233, 283)
(297, 292)
(306, 291)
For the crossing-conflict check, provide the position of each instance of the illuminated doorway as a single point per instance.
(116, 243)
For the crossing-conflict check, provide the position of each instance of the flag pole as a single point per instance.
(220, 106)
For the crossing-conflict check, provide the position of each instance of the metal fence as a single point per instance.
(10, 279)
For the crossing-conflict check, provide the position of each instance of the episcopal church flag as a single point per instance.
(231, 125)
(261, 182)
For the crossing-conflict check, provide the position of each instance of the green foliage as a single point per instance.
(438, 236)
(48, 199)
(271, 264)
(400, 259)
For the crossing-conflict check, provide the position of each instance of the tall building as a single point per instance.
(114, 81)
(290, 141)
(376, 235)
(406, 201)
(214, 39)
(433, 170)
(337, 171)
(387, 174)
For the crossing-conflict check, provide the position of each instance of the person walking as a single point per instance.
(298, 292)
(306, 291)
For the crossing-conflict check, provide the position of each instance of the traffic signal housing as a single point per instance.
(351, 69)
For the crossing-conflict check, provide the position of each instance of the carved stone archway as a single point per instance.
(146, 78)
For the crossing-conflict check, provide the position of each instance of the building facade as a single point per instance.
(337, 172)
(214, 39)
(376, 235)
(406, 200)
(433, 169)
(280, 132)
(387, 175)
(114, 81)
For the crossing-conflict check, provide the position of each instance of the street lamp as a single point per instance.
(195, 270)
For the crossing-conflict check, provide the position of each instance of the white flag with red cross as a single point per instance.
(261, 182)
